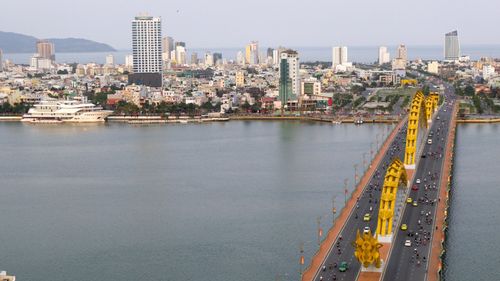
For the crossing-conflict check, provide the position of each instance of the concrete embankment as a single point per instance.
(438, 240)
(479, 120)
(314, 119)
(10, 118)
(340, 222)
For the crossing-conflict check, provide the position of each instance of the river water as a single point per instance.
(220, 201)
(473, 250)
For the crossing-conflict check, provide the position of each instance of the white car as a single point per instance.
(366, 229)
(418, 181)
(407, 243)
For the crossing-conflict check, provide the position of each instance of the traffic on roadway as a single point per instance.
(340, 263)
(409, 256)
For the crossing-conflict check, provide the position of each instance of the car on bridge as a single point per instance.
(414, 187)
(367, 217)
(343, 267)
(409, 200)
(404, 227)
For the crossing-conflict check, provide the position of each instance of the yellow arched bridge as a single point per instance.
(378, 207)
(420, 115)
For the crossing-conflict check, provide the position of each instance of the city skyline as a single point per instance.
(179, 18)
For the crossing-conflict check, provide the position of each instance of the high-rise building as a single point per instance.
(180, 54)
(167, 46)
(252, 53)
(194, 58)
(209, 59)
(1, 60)
(147, 51)
(217, 58)
(110, 60)
(45, 50)
(339, 56)
(240, 59)
(289, 83)
(383, 55)
(451, 46)
(402, 53)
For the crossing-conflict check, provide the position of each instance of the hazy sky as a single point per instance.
(233, 23)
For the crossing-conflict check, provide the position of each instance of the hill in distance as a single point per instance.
(19, 43)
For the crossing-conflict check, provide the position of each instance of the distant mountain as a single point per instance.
(18, 43)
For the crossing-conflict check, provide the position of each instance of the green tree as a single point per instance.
(469, 91)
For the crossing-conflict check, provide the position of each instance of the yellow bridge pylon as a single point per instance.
(396, 174)
(421, 111)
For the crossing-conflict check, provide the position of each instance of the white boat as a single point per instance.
(60, 111)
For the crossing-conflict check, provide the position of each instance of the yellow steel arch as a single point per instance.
(395, 174)
(421, 110)
(416, 119)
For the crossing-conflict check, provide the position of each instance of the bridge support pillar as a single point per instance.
(385, 238)
(372, 268)
(410, 171)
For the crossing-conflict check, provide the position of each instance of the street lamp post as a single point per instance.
(364, 162)
(345, 192)
(318, 220)
(371, 152)
(334, 211)
(355, 175)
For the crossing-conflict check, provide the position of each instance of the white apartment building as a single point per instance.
(488, 71)
(147, 44)
(339, 56)
(383, 55)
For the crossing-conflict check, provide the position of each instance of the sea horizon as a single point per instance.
(356, 54)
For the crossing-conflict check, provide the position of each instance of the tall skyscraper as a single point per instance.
(252, 53)
(168, 47)
(383, 55)
(45, 50)
(1, 60)
(209, 59)
(147, 51)
(194, 58)
(240, 59)
(217, 58)
(289, 83)
(339, 56)
(402, 53)
(180, 54)
(110, 60)
(451, 46)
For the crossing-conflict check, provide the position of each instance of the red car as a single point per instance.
(414, 187)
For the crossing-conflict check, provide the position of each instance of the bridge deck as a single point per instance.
(438, 238)
(332, 235)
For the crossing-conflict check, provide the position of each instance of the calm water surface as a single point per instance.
(222, 201)
(473, 250)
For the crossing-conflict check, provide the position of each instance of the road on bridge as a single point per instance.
(411, 263)
(368, 203)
